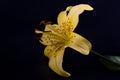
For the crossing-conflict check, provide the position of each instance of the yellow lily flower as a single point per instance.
(57, 37)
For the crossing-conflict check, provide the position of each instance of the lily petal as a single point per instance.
(80, 44)
(48, 50)
(55, 55)
(61, 17)
(74, 13)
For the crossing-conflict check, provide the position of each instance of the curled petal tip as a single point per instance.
(66, 75)
(88, 7)
(91, 8)
(68, 8)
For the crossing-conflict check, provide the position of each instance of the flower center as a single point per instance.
(67, 36)
(66, 31)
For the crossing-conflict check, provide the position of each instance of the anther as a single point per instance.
(45, 23)
(49, 22)
(42, 22)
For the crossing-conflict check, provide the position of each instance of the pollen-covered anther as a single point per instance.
(48, 23)
(42, 22)
(45, 23)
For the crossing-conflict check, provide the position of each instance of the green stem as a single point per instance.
(103, 57)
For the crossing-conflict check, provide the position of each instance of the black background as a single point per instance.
(23, 54)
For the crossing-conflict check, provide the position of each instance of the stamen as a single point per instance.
(38, 32)
(49, 22)
(45, 23)
(47, 31)
(41, 40)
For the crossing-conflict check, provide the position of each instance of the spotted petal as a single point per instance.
(50, 36)
(80, 44)
(55, 55)
(74, 13)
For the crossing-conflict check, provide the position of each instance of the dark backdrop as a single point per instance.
(23, 55)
